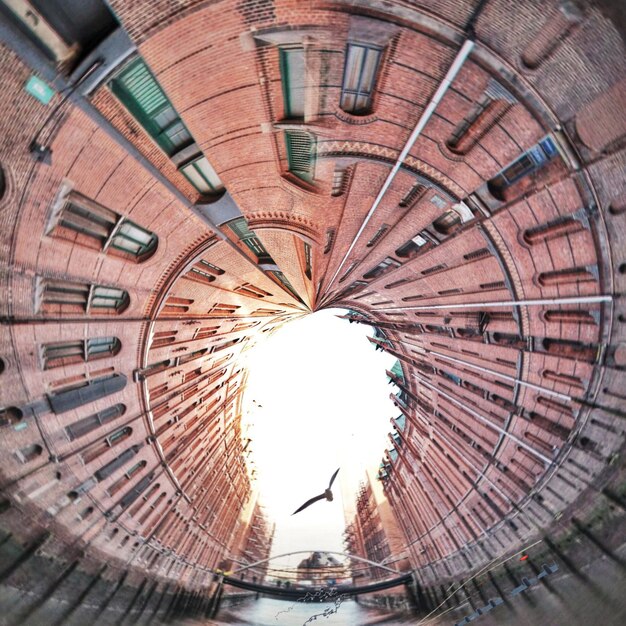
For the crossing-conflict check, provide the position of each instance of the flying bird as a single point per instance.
(328, 494)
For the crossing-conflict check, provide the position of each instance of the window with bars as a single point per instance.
(66, 353)
(359, 78)
(104, 227)
(292, 72)
(76, 296)
(139, 91)
(300, 154)
(378, 235)
(416, 192)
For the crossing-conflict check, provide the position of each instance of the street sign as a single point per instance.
(38, 89)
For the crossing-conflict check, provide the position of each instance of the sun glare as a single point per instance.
(317, 399)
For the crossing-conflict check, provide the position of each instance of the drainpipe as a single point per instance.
(423, 120)
(503, 303)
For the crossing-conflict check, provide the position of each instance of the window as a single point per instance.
(107, 298)
(77, 395)
(251, 290)
(108, 469)
(411, 247)
(284, 281)
(341, 178)
(353, 287)
(480, 120)
(300, 154)
(223, 309)
(378, 236)
(202, 176)
(240, 227)
(56, 354)
(163, 338)
(531, 161)
(120, 482)
(209, 267)
(72, 296)
(205, 331)
(447, 222)
(88, 424)
(200, 275)
(29, 453)
(359, 77)
(104, 227)
(136, 491)
(292, 71)
(307, 260)
(566, 276)
(133, 239)
(563, 225)
(142, 95)
(416, 192)
(383, 267)
(330, 238)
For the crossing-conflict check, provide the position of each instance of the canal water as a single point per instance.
(272, 612)
(593, 597)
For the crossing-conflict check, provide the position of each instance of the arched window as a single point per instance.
(66, 353)
(86, 222)
(85, 393)
(91, 423)
(108, 469)
(359, 78)
(95, 450)
(29, 453)
(59, 296)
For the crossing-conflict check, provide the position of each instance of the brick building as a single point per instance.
(374, 534)
(177, 179)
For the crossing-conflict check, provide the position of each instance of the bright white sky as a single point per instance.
(317, 399)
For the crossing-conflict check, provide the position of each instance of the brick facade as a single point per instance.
(513, 191)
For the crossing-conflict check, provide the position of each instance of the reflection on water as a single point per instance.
(271, 612)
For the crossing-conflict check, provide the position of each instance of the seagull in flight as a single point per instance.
(328, 494)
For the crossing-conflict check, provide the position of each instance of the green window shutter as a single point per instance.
(133, 239)
(240, 227)
(300, 154)
(397, 370)
(142, 95)
(292, 77)
(202, 176)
